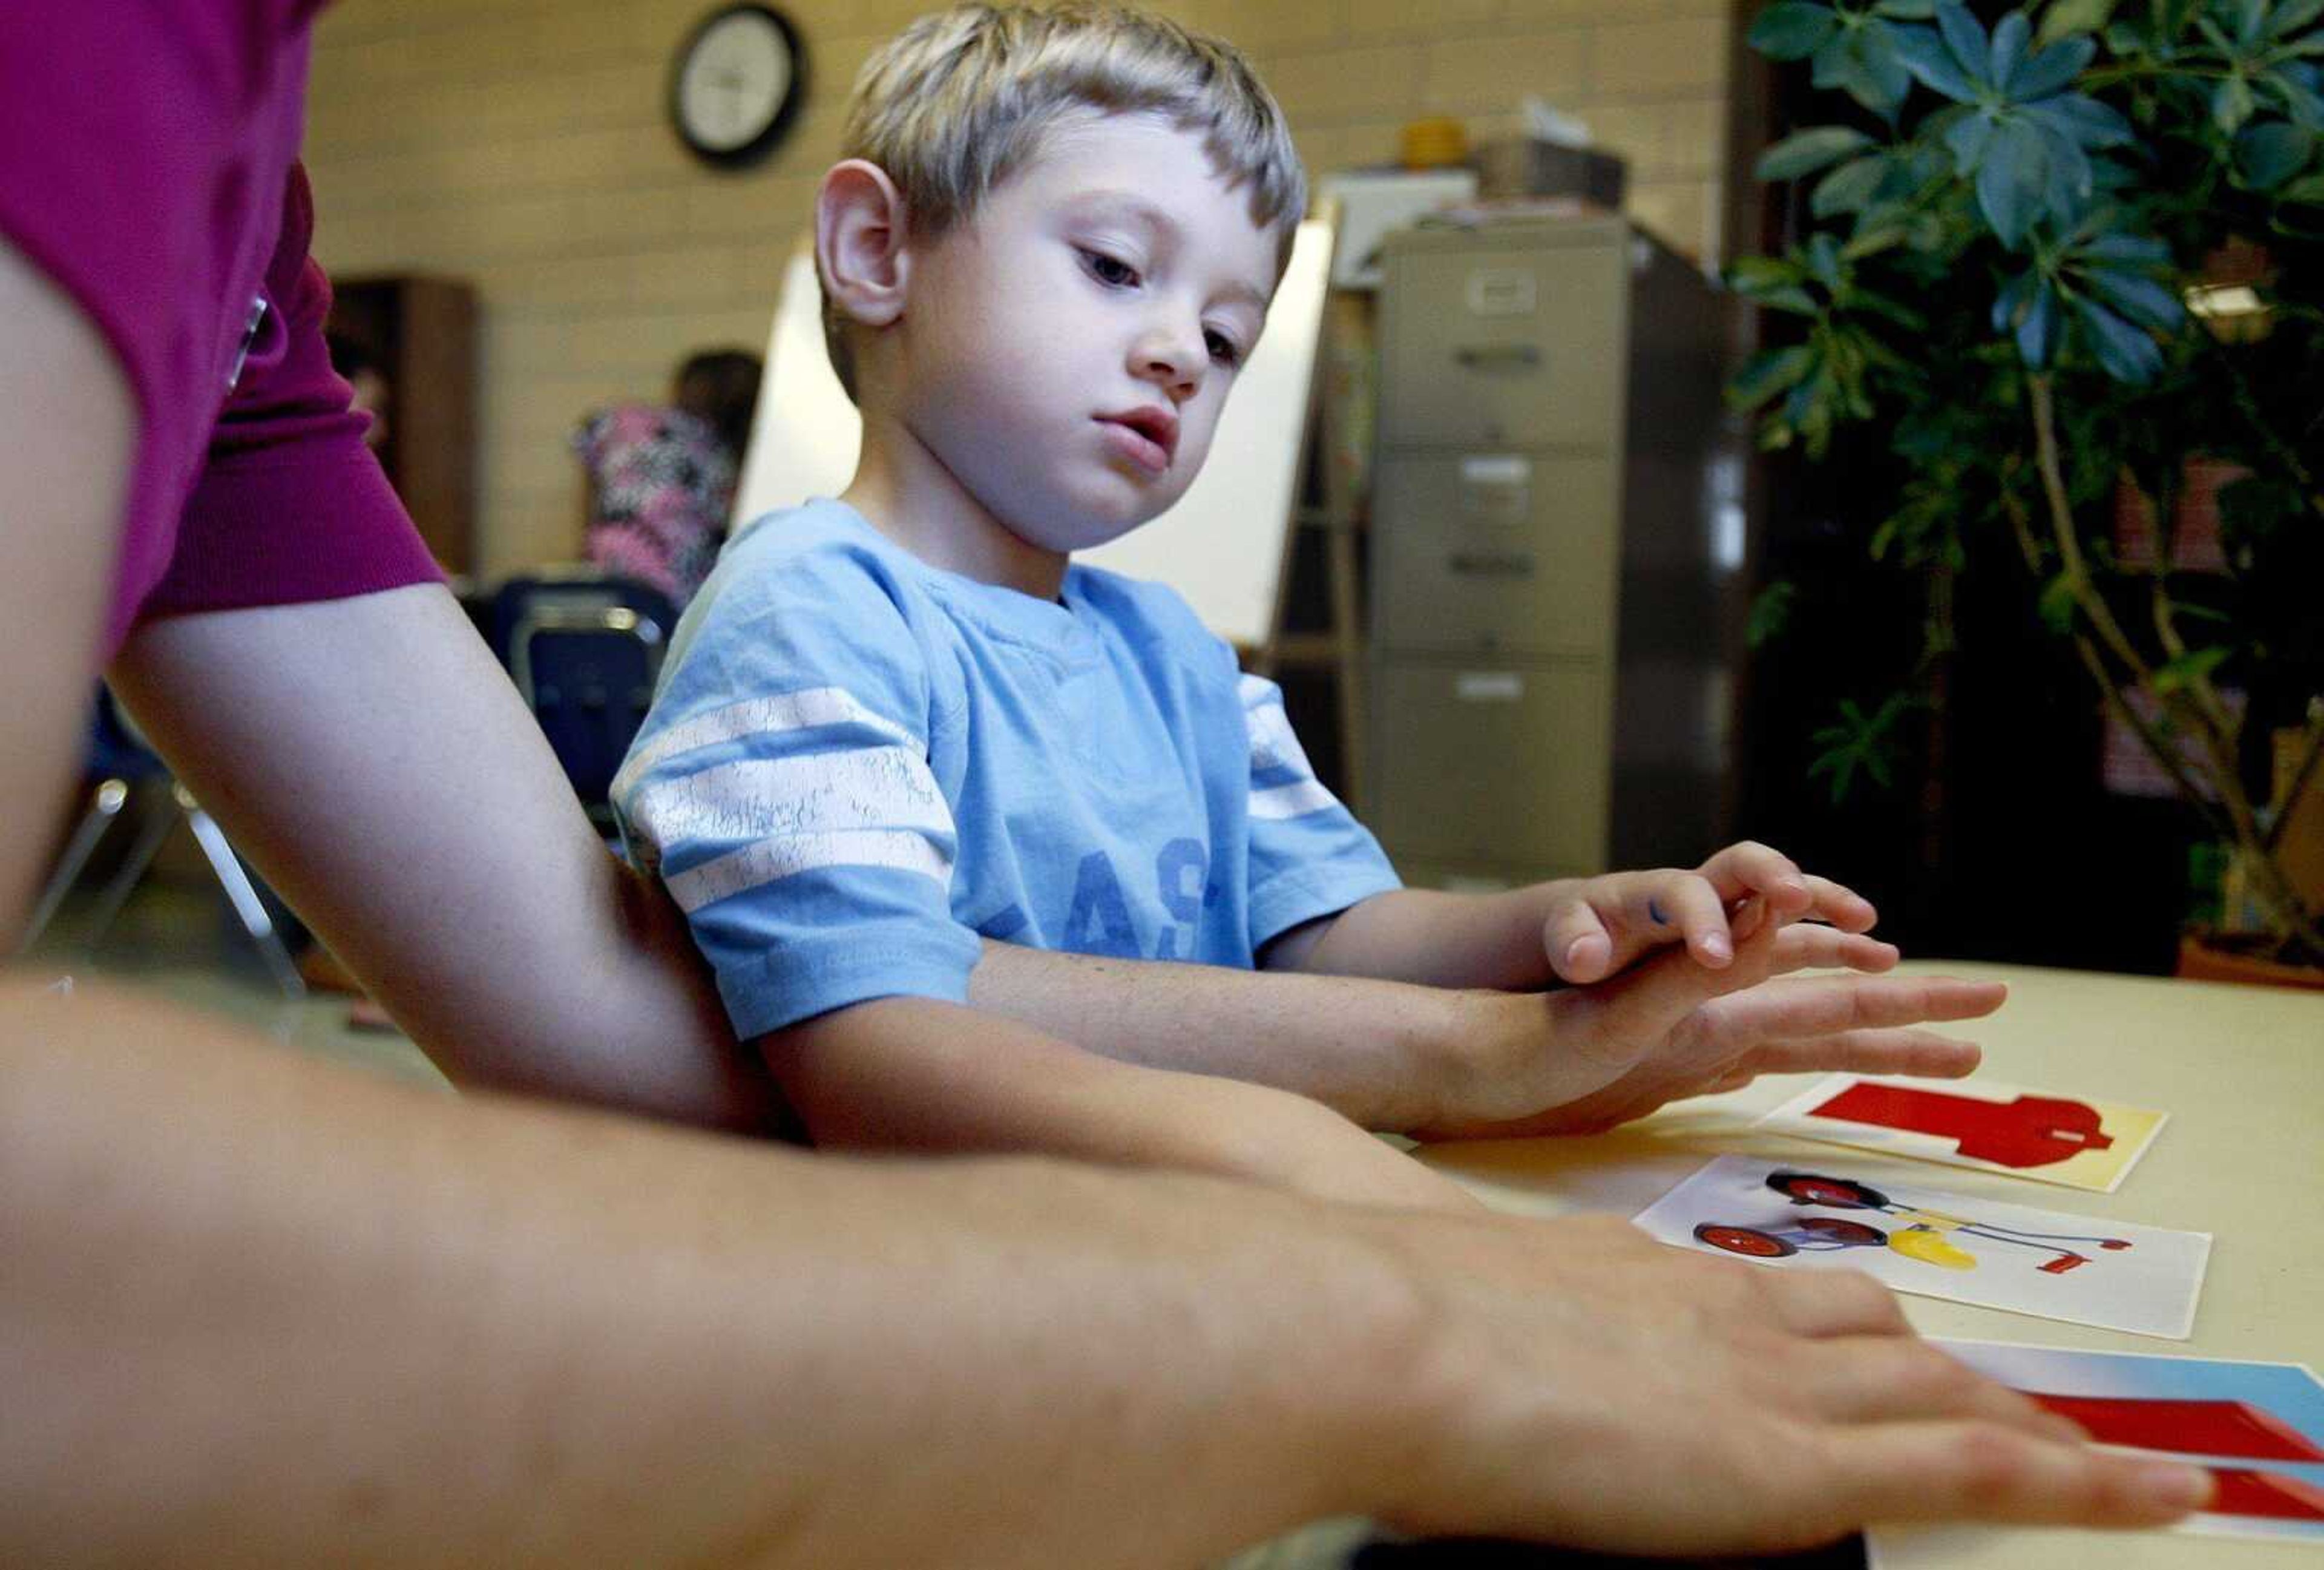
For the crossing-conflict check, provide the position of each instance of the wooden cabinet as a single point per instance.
(422, 334)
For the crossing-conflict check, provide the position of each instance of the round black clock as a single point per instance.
(736, 84)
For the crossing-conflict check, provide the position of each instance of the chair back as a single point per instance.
(584, 654)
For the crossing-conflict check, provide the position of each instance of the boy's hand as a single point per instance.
(1599, 925)
(1583, 1060)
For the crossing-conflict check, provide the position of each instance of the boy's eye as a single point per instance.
(1110, 270)
(1224, 349)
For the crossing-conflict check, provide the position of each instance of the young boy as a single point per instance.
(903, 725)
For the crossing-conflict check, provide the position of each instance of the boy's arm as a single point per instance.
(1577, 929)
(924, 1076)
(1417, 1059)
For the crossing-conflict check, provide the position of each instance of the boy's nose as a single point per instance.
(1173, 359)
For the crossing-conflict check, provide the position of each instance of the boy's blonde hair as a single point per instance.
(961, 99)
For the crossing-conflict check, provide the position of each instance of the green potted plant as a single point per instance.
(2068, 264)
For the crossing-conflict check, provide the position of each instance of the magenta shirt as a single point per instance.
(148, 165)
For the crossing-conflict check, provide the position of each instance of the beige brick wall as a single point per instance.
(521, 144)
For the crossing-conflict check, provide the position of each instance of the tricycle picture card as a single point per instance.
(2258, 1426)
(1975, 1123)
(2143, 1279)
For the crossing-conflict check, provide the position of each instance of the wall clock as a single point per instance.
(736, 84)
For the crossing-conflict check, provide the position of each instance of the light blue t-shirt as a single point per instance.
(858, 765)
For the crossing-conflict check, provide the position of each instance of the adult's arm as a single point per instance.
(373, 760)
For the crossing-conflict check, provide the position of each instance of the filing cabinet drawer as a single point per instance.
(1488, 348)
(1486, 553)
(1501, 764)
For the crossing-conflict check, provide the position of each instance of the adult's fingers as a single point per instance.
(1820, 1005)
(1833, 1303)
(1923, 1054)
(1902, 1377)
(1808, 946)
(1982, 1471)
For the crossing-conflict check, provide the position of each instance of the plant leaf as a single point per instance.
(2232, 103)
(1805, 152)
(1849, 188)
(2307, 190)
(2125, 353)
(2010, 37)
(1965, 37)
(2012, 182)
(2011, 300)
(2068, 17)
(1793, 30)
(1969, 137)
(2085, 120)
(2271, 152)
(2188, 670)
(1914, 9)
(1768, 373)
(2141, 299)
(2119, 247)
(1921, 52)
(2037, 333)
(2298, 97)
(2057, 605)
(1771, 613)
(2293, 15)
(2051, 70)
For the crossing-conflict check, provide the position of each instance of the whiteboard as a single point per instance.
(1221, 547)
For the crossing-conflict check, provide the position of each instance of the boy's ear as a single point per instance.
(859, 231)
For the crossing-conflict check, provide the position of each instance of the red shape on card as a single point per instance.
(2242, 1491)
(2192, 1428)
(2033, 1131)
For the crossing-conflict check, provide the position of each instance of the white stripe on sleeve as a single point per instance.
(754, 717)
(755, 798)
(1295, 800)
(756, 865)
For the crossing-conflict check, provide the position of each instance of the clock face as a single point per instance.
(736, 84)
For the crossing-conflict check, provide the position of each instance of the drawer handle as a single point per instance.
(1499, 356)
(1491, 563)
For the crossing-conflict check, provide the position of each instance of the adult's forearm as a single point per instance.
(1379, 1053)
(306, 1315)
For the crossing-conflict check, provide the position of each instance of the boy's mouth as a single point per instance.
(1148, 435)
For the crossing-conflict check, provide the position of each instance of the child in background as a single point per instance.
(902, 725)
(661, 480)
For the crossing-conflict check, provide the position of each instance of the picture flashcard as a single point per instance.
(2143, 1279)
(1975, 1123)
(2258, 1426)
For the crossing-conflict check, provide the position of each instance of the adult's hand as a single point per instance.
(1584, 1059)
(1598, 1389)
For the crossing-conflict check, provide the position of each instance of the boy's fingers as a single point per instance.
(1750, 868)
(1580, 948)
(1663, 905)
(1841, 906)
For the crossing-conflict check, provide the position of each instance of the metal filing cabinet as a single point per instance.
(1548, 680)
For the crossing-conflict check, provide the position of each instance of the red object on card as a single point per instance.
(2192, 1428)
(2031, 1131)
(2242, 1491)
